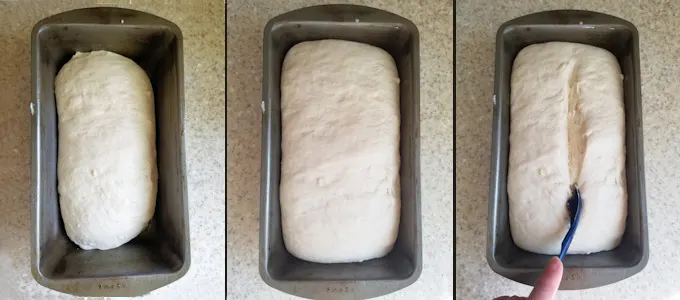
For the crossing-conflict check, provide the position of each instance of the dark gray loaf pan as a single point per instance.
(160, 255)
(581, 271)
(402, 266)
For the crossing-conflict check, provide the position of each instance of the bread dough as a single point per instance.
(567, 126)
(106, 164)
(339, 190)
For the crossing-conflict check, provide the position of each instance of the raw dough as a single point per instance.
(567, 126)
(339, 191)
(107, 149)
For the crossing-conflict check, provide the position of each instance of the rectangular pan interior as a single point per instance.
(159, 255)
(371, 278)
(621, 38)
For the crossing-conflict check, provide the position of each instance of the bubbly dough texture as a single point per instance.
(567, 126)
(339, 190)
(106, 165)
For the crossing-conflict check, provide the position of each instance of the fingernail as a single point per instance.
(553, 264)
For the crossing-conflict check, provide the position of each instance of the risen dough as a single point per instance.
(107, 154)
(339, 191)
(567, 126)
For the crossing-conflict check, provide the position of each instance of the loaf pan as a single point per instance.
(581, 271)
(160, 255)
(402, 266)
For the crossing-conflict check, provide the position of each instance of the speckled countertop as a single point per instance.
(657, 23)
(201, 24)
(245, 22)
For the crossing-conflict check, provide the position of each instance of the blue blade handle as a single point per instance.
(567, 239)
(572, 229)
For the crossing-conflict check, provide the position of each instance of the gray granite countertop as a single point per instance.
(246, 20)
(201, 24)
(657, 23)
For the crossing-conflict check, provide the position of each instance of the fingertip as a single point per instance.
(555, 265)
(547, 285)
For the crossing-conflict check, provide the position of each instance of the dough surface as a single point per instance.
(106, 165)
(339, 189)
(567, 126)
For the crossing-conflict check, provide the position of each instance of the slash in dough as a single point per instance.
(106, 165)
(339, 189)
(567, 126)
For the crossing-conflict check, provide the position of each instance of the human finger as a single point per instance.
(547, 285)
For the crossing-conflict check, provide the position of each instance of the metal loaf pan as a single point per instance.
(402, 266)
(581, 271)
(160, 255)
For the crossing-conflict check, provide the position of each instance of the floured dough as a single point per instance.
(567, 126)
(107, 151)
(339, 191)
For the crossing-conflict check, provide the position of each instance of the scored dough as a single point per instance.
(106, 164)
(567, 126)
(339, 190)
